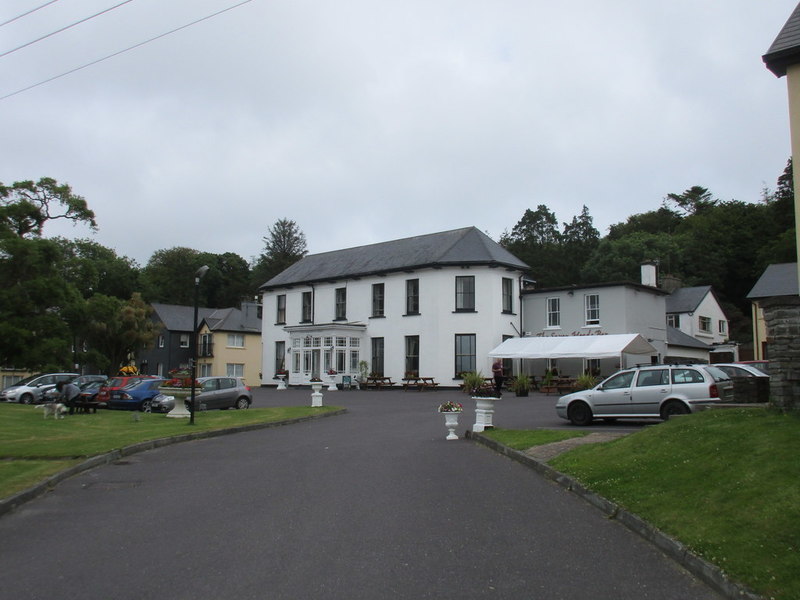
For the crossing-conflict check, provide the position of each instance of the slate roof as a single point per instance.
(785, 50)
(467, 246)
(232, 319)
(675, 337)
(687, 299)
(776, 280)
(176, 317)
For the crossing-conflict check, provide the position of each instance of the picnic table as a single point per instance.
(379, 382)
(420, 383)
(561, 385)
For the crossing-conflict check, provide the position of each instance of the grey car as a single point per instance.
(215, 393)
(658, 391)
(32, 389)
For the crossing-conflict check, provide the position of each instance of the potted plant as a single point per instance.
(521, 384)
(451, 410)
(585, 382)
(485, 396)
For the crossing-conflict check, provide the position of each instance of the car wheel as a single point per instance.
(672, 408)
(147, 406)
(242, 403)
(26, 399)
(580, 413)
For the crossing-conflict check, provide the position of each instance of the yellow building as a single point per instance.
(229, 344)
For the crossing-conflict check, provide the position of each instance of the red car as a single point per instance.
(116, 383)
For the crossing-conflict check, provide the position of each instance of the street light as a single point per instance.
(197, 276)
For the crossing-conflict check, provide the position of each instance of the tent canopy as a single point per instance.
(574, 346)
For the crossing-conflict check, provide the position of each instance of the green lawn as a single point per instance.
(33, 448)
(724, 482)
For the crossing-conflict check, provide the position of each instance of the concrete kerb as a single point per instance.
(697, 566)
(12, 502)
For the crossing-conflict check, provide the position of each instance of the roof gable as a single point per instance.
(776, 280)
(685, 300)
(785, 50)
(455, 247)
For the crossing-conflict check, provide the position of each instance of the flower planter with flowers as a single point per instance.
(451, 410)
(281, 377)
(332, 380)
(485, 397)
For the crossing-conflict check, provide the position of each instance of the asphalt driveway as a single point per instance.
(372, 504)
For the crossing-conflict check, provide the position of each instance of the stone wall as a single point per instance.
(782, 318)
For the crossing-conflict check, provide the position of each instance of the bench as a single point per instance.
(85, 406)
(379, 382)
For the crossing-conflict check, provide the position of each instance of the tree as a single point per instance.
(115, 330)
(227, 282)
(693, 201)
(95, 269)
(26, 206)
(285, 245)
(33, 332)
(169, 276)
(579, 239)
(35, 298)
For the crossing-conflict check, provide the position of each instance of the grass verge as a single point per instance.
(33, 448)
(725, 483)
(528, 438)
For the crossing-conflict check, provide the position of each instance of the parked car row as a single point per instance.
(657, 391)
(134, 392)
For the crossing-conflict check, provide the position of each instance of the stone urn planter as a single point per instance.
(281, 381)
(484, 413)
(316, 394)
(332, 383)
(451, 411)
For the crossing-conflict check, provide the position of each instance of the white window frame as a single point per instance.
(235, 340)
(234, 369)
(553, 312)
(185, 340)
(592, 309)
(704, 325)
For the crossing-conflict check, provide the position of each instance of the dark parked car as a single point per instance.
(137, 395)
(215, 393)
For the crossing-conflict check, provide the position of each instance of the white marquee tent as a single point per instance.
(574, 346)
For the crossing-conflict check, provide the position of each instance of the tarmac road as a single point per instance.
(372, 504)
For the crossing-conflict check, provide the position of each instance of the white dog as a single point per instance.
(56, 409)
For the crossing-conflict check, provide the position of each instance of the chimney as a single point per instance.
(650, 274)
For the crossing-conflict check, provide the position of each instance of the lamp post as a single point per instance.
(197, 276)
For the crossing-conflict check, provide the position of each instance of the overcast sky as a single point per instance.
(370, 120)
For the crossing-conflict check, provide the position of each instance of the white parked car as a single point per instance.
(32, 389)
(658, 391)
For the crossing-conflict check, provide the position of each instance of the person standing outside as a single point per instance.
(497, 372)
(69, 394)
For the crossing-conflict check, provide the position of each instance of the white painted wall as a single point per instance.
(436, 325)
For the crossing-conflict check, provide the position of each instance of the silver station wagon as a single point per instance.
(659, 391)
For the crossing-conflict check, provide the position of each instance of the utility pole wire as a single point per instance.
(99, 60)
(25, 14)
(44, 37)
